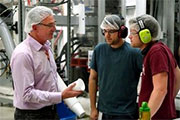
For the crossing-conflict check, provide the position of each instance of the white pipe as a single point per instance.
(81, 10)
(72, 103)
(6, 38)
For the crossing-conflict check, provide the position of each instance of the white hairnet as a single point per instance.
(112, 22)
(150, 23)
(35, 16)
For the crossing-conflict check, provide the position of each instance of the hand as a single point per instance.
(94, 114)
(68, 92)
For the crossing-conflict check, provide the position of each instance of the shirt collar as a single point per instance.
(36, 45)
(147, 48)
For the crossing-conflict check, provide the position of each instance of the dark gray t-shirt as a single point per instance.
(118, 75)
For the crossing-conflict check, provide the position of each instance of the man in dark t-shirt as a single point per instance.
(160, 81)
(115, 71)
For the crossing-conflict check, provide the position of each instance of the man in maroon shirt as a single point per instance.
(161, 74)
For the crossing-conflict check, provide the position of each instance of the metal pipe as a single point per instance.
(21, 16)
(69, 71)
(170, 26)
(101, 15)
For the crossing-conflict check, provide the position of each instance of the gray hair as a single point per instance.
(35, 16)
(113, 22)
(150, 23)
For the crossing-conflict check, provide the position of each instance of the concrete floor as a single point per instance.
(6, 113)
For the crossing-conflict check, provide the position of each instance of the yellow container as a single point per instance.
(144, 112)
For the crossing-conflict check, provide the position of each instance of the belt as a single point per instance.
(51, 107)
(47, 108)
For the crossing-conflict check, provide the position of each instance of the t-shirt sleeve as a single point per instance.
(93, 64)
(159, 62)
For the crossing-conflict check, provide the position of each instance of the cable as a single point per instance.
(4, 60)
(5, 11)
(54, 4)
(11, 13)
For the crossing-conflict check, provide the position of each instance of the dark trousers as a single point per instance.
(133, 116)
(46, 113)
(120, 117)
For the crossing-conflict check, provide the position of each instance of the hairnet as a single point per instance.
(150, 23)
(112, 22)
(35, 16)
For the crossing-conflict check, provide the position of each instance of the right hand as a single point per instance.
(68, 92)
(94, 114)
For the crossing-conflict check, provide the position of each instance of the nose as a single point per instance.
(130, 36)
(107, 34)
(54, 28)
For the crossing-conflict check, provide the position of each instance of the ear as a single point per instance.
(34, 27)
(119, 34)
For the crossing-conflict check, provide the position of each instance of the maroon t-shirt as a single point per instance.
(159, 59)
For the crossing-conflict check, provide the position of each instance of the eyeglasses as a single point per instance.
(133, 33)
(47, 25)
(110, 31)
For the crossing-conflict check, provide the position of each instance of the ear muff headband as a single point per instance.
(144, 33)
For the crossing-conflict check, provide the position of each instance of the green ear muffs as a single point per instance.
(145, 35)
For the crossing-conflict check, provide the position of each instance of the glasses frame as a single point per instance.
(50, 25)
(110, 31)
(133, 33)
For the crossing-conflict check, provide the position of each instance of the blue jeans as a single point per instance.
(46, 113)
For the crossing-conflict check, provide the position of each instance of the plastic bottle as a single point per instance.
(144, 112)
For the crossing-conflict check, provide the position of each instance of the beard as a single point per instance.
(113, 41)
